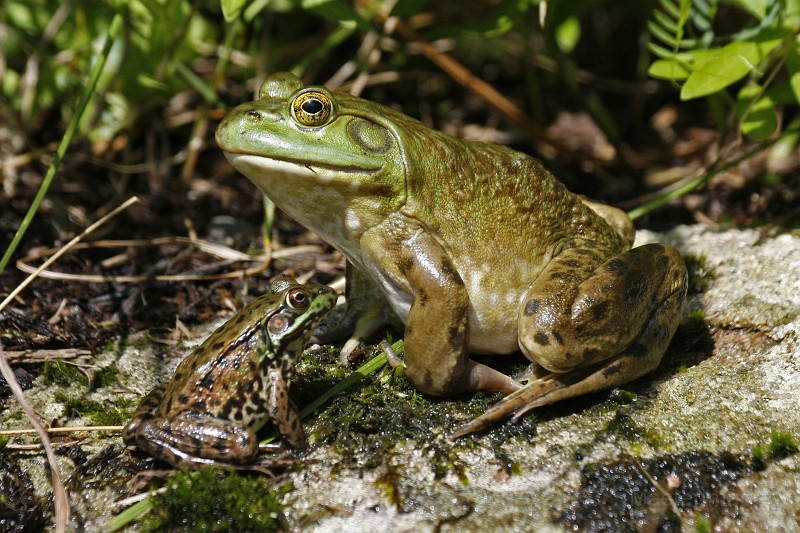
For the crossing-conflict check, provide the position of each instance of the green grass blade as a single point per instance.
(698, 181)
(72, 127)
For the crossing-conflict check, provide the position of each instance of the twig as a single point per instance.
(18, 357)
(54, 431)
(60, 500)
(65, 249)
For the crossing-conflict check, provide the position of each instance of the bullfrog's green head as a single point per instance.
(333, 161)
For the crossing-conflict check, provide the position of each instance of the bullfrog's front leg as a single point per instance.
(436, 329)
(589, 324)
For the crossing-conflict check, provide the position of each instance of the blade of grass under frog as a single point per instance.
(371, 366)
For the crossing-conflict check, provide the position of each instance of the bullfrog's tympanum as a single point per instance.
(475, 247)
(233, 383)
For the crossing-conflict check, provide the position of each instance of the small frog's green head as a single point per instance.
(300, 309)
(327, 158)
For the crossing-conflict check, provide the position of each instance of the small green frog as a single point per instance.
(476, 248)
(233, 383)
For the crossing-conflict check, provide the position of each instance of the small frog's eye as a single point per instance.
(297, 299)
(312, 108)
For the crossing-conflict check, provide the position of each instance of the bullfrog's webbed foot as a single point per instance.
(533, 372)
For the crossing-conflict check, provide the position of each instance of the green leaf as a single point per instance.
(793, 67)
(337, 10)
(232, 8)
(669, 69)
(715, 69)
(567, 34)
(755, 7)
(756, 113)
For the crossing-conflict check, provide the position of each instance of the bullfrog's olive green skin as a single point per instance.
(233, 383)
(475, 247)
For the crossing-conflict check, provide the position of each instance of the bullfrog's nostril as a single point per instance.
(254, 114)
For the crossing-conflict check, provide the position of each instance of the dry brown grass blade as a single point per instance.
(463, 76)
(19, 357)
(60, 500)
(65, 249)
(217, 250)
(62, 430)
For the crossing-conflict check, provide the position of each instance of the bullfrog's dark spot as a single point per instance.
(532, 307)
(422, 297)
(590, 354)
(541, 338)
(637, 349)
(557, 337)
(558, 275)
(636, 289)
(183, 399)
(239, 319)
(611, 370)
(229, 407)
(406, 264)
(616, 267)
(449, 270)
(600, 311)
(572, 263)
(456, 338)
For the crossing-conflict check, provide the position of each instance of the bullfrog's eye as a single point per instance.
(297, 299)
(312, 108)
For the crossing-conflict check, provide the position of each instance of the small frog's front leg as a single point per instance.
(436, 332)
(283, 415)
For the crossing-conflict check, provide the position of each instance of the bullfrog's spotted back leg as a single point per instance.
(636, 360)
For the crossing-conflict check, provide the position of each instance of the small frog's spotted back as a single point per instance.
(234, 382)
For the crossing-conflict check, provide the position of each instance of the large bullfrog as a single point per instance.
(233, 383)
(475, 247)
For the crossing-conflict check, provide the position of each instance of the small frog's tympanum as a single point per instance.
(475, 247)
(233, 383)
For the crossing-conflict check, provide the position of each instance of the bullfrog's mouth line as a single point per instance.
(292, 166)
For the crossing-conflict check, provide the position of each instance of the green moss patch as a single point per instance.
(217, 500)
(99, 413)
